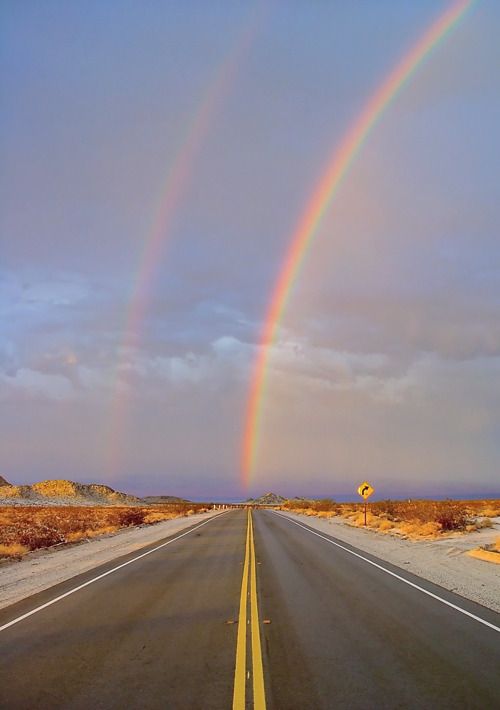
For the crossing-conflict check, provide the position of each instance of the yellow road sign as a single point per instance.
(365, 490)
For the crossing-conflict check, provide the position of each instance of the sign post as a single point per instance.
(365, 491)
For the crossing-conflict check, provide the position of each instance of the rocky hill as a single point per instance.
(63, 492)
(156, 500)
(3, 482)
(267, 499)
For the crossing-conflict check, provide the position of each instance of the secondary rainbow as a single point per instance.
(172, 195)
(310, 220)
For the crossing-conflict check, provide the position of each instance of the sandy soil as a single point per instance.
(44, 568)
(443, 561)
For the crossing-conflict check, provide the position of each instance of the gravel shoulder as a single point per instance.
(45, 568)
(442, 562)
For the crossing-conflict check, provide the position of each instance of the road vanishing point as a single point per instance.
(249, 609)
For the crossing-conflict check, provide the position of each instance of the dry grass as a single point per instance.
(325, 514)
(13, 550)
(487, 553)
(385, 525)
(78, 535)
(410, 518)
(26, 528)
(490, 512)
(158, 517)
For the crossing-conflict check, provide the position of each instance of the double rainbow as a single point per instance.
(308, 225)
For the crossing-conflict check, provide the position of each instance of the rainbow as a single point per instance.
(172, 194)
(310, 220)
(179, 177)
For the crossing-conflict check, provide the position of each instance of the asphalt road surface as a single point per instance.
(249, 611)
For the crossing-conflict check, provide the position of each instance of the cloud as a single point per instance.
(32, 290)
(33, 384)
(227, 358)
(433, 428)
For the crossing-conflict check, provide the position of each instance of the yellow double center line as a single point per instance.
(244, 623)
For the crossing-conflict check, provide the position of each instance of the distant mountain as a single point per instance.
(164, 499)
(3, 482)
(63, 492)
(268, 499)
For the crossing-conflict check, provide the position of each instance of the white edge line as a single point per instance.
(393, 574)
(104, 574)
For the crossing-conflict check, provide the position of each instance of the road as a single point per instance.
(249, 611)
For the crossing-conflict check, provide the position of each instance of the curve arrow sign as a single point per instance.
(365, 490)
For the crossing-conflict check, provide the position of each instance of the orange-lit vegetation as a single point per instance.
(411, 518)
(488, 553)
(26, 528)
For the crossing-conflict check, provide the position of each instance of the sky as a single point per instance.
(387, 363)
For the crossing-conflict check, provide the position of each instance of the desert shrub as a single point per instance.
(294, 504)
(415, 517)
(452, 516)
(41, 535)
(324, 505)
(384, 507)
(34, 527)
(487, 508)
(131, 516)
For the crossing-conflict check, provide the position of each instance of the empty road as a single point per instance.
(247, 611)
